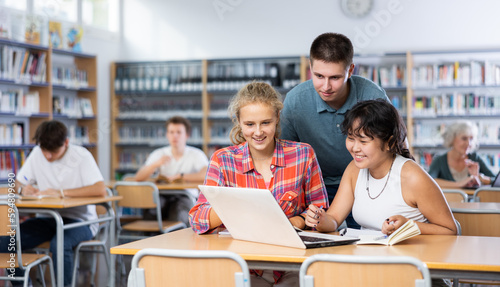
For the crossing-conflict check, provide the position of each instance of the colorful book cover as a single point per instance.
(73, 38)
(55, 35)
(33, 30)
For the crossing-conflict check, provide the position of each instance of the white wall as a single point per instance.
(195, 29)
(107, 50)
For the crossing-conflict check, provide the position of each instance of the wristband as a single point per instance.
(302, 217)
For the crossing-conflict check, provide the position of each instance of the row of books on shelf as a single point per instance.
(70, 77)
(399, 102)
(72, 106)
(22, 65)
(19, 102)
(78, 135)
(11, 134)
(160, 109)
(132, 160)
(187, 78)
(472, 73)
(430, 133)
(233, 75)
(424, 158)
(158, 77)
(11, 161)
(385, 76)
(456, 103)
(153, 135)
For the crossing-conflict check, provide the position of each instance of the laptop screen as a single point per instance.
(496, 181)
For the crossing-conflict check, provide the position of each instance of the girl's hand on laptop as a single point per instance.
(314, 216)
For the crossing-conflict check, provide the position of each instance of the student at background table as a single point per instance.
(259, 159)
(314, 110)
(58, 168)
(176, 162)
(383, 186)
(461, 166)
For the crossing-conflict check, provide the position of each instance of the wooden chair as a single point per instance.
(455, 195)
(25, 261)
(478, 222)
(162, 267)
(487, 194)
(99, 244)
(354, 270)
(141, 195)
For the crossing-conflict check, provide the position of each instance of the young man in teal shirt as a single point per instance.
(314, 110)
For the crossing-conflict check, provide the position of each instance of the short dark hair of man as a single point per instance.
(332, 48)
(51, 135)
(180, 120)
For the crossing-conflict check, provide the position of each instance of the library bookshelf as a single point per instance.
(200, 90)
(146, 94)
(38, 83)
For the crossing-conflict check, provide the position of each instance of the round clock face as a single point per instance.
(357, 8)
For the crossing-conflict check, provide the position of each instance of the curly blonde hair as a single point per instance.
(254, 92)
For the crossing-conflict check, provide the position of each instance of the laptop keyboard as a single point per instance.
(313, 239)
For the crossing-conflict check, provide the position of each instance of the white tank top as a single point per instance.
(371, 213)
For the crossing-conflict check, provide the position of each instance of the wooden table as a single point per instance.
(446, 256)
(49, 206)
(479, 207)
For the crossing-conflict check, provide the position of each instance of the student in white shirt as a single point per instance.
(55, 167)
(176, 162)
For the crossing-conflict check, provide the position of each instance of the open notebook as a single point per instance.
(254, 215)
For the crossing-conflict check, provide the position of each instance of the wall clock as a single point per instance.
(356, 8)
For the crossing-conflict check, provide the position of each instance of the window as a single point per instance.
(17, 4)
(66, 10)
(101, 14)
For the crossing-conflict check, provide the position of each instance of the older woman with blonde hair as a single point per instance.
(461, 166)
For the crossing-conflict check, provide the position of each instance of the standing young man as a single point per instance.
(178, 161)
(58, 168)
(314, 110)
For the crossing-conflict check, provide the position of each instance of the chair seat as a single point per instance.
(28, 258)
(151, 225)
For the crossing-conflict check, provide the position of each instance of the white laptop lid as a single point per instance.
(252, 214)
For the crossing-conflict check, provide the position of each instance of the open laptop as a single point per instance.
(496, 181)
(254, 215)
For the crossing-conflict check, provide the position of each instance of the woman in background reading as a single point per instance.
(460, 166)
(259, 159)
(383, 186)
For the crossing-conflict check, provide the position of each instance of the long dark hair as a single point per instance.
(378, 119)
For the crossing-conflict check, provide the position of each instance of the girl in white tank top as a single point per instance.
(383, 186)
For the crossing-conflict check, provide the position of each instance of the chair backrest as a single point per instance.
(137, 194)
(487, 194)
(10, 223)
(354, 270)
(155, 267)
(455, 195)
(478, 222)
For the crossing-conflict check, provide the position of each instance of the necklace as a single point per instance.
(368, 182)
